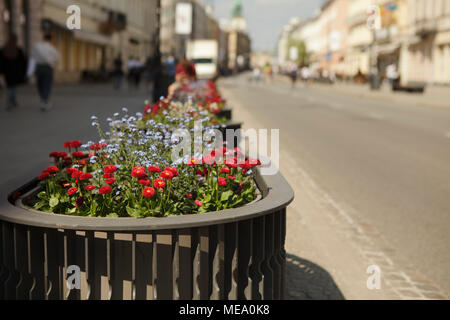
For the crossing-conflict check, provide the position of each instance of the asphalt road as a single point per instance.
(386, 164)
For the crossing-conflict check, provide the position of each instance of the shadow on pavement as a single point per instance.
(308, 281)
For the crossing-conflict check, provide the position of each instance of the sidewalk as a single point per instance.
(434, 96)
(28, 135)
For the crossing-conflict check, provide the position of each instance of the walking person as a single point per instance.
(293, 74)
(118, 72)
(13, 66)
(43, 58)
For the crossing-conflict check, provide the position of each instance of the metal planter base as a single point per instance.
(233, 254)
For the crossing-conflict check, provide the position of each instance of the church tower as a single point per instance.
(238, 21)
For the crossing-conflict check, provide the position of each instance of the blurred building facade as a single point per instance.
(109, 28)
(334, 35)
(239, 43)
(414, 35)
(113, 28)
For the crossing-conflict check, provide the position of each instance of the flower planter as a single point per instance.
(232, 125)
(226, 113)
(232, 254)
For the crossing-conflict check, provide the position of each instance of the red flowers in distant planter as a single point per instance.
(54, 154)
(78, 155)
(105, 190)
(159, 183)
(73, 144)
(72, 191)
(148, 192)
(52, 169)
(90, 187)
(44, 175)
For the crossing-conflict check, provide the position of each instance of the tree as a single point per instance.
(303, 56)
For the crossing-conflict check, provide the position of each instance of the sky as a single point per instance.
(266, 18)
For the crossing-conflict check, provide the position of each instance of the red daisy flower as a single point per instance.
(110, 180)
(225, 170)
(154, 169)
(159, 183)
(52, 169)
(139, 172)
(193, 162)
(105, 190)
(222, 182)
(144, 182)
(166, 175)
(148, 192)
(86, 176)
(71, 191)
(90, 187)
(110, 169)
(173, 170)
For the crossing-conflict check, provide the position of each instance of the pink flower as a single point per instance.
(198, 203)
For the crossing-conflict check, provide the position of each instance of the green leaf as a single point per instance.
(42, 195)
(226, 195)
(112, 215)
(54, 201)
(207, 198)
(72, 211)
(135, 213)
(39, 205)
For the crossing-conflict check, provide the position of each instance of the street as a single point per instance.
(382, 167)
(371, 178)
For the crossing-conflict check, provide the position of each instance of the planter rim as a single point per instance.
(276, 194)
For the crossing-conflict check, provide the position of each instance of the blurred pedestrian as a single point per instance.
(44, 56)
(13, 66)
(305, 73)
(118, 72)
(256, 74)
(293, 74)
(391, 73)
(268, 73)
(185, 71)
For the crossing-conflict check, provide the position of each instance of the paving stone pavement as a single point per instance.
(328, 250)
